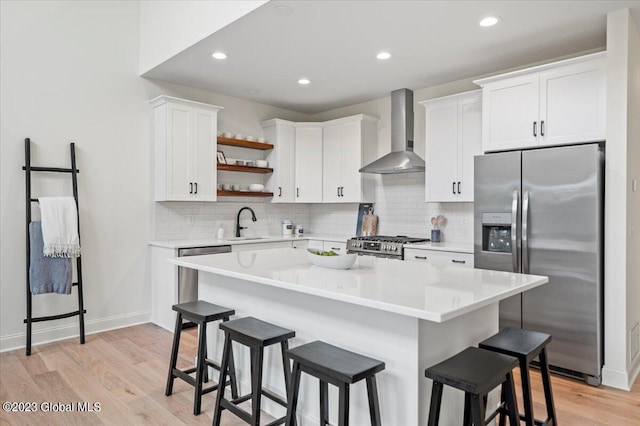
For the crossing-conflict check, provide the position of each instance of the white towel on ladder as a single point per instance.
(59, 226)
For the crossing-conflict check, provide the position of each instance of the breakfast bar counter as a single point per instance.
(409, 315)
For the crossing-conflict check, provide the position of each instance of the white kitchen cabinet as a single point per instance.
(348, 144)
(552, 104)
(302, 244)
(453, 137)
(316, 244)
(260, 246)
(438, 257)
(184, 149)
(308, 163)
(340, 248)
(281, 182)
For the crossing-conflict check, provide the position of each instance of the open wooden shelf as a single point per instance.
(244, 144)
(246, 169)
(222, 193)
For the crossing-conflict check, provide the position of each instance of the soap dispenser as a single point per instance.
(220, 233)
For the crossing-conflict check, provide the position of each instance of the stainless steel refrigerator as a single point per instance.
(540, 211)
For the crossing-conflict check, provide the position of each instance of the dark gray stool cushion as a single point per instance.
(201, 311)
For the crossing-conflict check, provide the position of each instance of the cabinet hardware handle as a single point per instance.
(335, 248)
(338, 190)
(196, 186)
(542, 128)
(458, 187)
(453, 187)
(458, 261)
(535, 129)
(342, 191)
(190, 187)
(279, 191)
(421, 257)
(297, 192)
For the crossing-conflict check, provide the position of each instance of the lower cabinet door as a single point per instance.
(340, 248)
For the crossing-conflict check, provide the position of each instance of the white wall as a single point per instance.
(167, 27)
(69, 72)
(633, 197)
(621, 297)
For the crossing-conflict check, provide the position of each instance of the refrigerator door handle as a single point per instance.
(514, 231)
(525, 233)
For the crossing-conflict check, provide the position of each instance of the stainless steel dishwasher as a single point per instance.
(187, 277)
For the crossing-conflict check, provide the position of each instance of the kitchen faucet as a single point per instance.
(238, 227)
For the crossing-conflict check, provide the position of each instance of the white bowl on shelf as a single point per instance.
(340, 261)
(262, 163)
(256, 187)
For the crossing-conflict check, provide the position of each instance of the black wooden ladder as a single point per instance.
(28, 168)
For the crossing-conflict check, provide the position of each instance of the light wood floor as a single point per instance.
(125, 370)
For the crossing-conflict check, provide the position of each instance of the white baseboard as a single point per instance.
(615, 378)
(52, 334)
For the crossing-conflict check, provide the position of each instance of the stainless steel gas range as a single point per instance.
(381, 246)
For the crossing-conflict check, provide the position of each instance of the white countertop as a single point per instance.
(420, 290)
(212, 242)
(444, 246)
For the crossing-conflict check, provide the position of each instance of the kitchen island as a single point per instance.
(409, 315)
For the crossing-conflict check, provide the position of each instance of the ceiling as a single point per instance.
(334, 44)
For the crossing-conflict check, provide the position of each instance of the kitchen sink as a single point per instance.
(244, 238)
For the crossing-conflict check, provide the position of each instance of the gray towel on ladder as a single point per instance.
(46, 274)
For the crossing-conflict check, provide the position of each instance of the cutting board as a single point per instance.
(369, 224)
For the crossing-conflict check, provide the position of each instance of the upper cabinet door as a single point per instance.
(469, 144)
(351, 161)
(308, 148)
(441, 151)
(573, 103)
(510, 118)
(204, 154)
(453, 137)
(179, 175)
(184, 149)
(331, 163)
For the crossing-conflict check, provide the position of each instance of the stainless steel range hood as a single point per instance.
(401, 159)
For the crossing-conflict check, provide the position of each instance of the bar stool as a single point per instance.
(476, 372)
(201, 313)
(339, 367)
(526, 345)
(257, 335)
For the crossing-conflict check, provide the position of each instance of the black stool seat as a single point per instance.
(331, 364)
(343, 365)
(473, 370)
(476, 372)
(256, 334)
(199, 313)
(526, 345)
(200, 310)
(517, 342)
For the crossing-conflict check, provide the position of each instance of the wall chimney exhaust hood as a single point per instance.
(401, 159)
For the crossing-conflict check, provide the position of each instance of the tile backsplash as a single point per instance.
(400, 207)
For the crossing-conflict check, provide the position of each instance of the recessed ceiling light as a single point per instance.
(253, 91)
(304, 81)
(219, 55)
(489, 21)
(383, 55)
(282, 10)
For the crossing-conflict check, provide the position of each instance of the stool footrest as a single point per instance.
(184, 376)
(189, 370)
(241, 399)
(231, 405)
(277, 422)
(275, 398)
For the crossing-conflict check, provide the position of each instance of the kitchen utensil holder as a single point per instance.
(435, 236)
